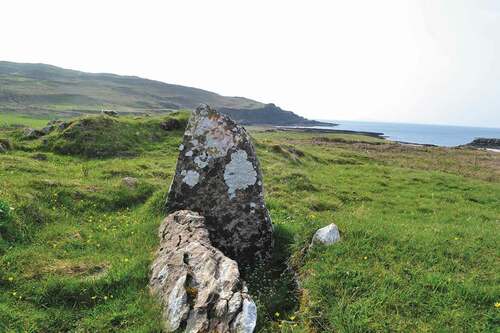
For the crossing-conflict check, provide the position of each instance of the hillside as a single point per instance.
(38, 89)
(419, 228)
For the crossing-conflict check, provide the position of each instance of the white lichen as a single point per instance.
(177, 305)
(202, 160)
(239, 173)
(191, 178)
(217, 139)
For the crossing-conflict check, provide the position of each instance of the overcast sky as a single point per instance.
(426, 61)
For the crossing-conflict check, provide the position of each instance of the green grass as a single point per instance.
(14, 119)
(419, 227)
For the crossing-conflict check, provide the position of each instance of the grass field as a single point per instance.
(13, 119)
(419, 227)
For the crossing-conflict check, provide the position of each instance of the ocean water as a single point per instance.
(439, 135)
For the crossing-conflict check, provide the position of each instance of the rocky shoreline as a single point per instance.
(491, 144)
(485, 143)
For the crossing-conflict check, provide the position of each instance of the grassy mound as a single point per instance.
(104, 136)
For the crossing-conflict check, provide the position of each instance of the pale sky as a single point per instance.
(425, 61)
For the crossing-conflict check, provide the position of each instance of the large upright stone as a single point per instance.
(218, 176)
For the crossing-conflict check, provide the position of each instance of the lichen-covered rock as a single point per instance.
(218, 175)
(31, 133)
(327, 235)
(199, 287)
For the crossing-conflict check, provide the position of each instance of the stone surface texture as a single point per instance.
(31, 133)
(327, 235)
(199, 287)
(218, 176)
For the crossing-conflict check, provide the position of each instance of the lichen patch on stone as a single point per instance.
(191, 178)
(202, 160)
(239, 173)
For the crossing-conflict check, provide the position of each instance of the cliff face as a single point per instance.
(44, 89)
(269, 114)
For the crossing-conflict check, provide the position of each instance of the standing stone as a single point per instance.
(199, 287)
(218, 176)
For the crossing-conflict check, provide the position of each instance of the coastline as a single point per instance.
(327, 130)
(475, 144)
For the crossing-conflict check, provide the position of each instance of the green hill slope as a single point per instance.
(43, 89)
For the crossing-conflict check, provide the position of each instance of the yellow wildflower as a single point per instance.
(497, 305)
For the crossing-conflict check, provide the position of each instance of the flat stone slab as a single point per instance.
(218, 176)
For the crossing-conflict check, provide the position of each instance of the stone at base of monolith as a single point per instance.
(327, 235)
(218, 176)
(199, 288)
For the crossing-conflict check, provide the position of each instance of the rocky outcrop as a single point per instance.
(110, 113)
(199, 287)
(485, 143)
(31, 134)
(53, 125)
(218, 176)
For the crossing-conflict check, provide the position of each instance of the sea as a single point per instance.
(439, 135)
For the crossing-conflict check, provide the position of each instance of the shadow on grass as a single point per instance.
(273, 285)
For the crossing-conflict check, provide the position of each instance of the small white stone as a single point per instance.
(327, 235)
(181, 147)
(189, 153)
